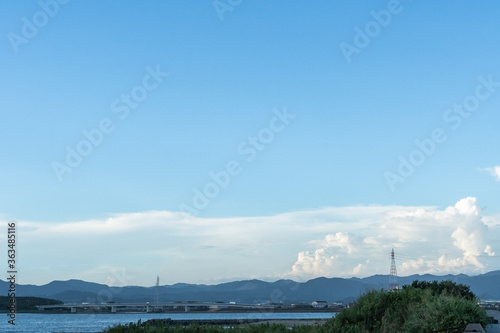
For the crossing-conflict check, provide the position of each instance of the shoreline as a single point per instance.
(293, 322)
(240, 322)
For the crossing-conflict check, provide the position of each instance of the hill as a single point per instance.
(485, 286)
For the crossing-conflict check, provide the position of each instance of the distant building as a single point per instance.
(335, 305)
(301, 305)
(319, 304)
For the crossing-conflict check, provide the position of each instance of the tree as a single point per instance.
(446, 287)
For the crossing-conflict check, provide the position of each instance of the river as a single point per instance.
(41, 323)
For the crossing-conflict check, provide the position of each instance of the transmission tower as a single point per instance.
(393, 278)
(157, 290)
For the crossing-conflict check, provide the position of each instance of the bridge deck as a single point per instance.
(153, 305)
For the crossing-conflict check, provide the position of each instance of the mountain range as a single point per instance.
(485, 286)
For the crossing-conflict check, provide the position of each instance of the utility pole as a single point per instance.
(393, 278)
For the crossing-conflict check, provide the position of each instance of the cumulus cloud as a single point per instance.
(317, 263)
(489, 251)
(339, 240)
(451, 240)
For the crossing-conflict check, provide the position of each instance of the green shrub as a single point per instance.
(421, 307)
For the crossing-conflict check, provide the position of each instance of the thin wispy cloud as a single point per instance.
(494, 171)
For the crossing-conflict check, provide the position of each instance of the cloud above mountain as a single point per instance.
(427, 240)
(329, 241)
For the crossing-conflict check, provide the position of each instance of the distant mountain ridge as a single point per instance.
(485, 286)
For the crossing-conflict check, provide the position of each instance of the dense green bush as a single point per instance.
(421, 307)
(447, 287)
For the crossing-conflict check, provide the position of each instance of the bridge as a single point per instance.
(149, 307)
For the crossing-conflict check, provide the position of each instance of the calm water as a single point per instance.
(39, 323)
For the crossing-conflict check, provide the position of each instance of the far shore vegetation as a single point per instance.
(26, 304)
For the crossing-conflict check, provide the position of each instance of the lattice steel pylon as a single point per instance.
(393, 277)
(157, 290)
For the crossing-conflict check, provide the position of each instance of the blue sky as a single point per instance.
(233, 67)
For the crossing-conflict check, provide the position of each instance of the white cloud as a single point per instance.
(489, 251)
(495, 172)
(339, 240)
(330, 241)
(430, 240)
(356, 270)
(317, 263)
